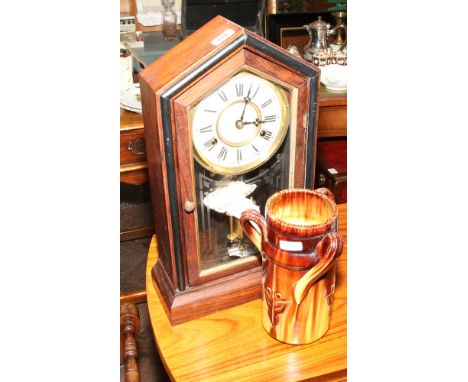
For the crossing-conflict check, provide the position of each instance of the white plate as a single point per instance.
(334, 77)
(131, 97)
(139, 111)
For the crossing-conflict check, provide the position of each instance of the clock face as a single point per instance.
(239, 125)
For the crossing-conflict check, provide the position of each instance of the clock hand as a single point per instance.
(246, 99)
(257, 122)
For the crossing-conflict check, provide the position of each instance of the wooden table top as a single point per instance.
(231, 345)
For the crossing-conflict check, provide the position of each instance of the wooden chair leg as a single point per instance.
(129, 329)
(135, 297)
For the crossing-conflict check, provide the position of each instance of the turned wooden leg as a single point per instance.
(129, 329)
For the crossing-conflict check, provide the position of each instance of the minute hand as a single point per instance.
(246, 100)
(257, 122)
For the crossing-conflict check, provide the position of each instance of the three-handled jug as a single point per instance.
(299, 246)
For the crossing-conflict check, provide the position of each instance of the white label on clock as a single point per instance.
(332, 171)
(223, 36)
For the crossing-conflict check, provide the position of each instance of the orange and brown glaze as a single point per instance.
(298, 286)
(300, 215)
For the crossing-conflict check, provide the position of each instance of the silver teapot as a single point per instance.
(317, 50)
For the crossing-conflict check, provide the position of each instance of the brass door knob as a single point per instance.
(322, 180)
(137, 146)
(189, 206)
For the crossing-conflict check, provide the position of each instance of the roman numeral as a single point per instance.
(239, 155)
(258, 87)
(210, 143)
(222, 95)
(255, 148)
(222, 154)
(265, 134)
(269, 118)
(240, 89)
(265, 104)
(206, 129)
(210, 111)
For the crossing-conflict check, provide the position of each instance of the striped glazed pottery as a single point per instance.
(299, 246)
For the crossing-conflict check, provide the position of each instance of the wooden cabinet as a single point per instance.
(332, 118)
(133, 166)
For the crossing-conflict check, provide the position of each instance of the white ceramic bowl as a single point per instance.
(334, 77)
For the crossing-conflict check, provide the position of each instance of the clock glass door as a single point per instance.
(241, 145)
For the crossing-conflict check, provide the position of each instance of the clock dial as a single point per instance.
(239, 125)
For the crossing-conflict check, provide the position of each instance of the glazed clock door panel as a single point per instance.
(239, 149)
(213, 239)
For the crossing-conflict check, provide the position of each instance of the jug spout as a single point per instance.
(327, 251)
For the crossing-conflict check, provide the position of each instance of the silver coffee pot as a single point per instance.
(317, 50)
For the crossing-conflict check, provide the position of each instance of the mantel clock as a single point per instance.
(230, 119)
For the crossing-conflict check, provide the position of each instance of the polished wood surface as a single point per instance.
(332, 119)
(135, 297)
(231, 345)
(133, 166)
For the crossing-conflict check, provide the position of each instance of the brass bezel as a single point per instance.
(263, 157)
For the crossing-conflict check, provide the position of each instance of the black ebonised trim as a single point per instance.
(172, 186)
(307, 71)
(311, 134)
(169, 149)
(279, 55)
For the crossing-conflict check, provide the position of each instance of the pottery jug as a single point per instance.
(299, 246)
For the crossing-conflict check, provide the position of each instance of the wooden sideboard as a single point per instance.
(133, 168)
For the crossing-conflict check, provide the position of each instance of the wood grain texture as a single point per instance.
(135, 297)
(135, 174)
(129, 329)
(132, 147)
(130, 120)
(137, 233)
(231, 345)
(190, 65)
(133, 168)
(155, 154)
(332, 122)
(332, 118)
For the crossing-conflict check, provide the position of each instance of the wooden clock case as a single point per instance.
(169, 87)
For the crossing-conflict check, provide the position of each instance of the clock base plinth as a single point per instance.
(200, 300)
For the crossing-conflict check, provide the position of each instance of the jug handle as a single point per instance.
(328, 250)
(325, 192)
(246, 219)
